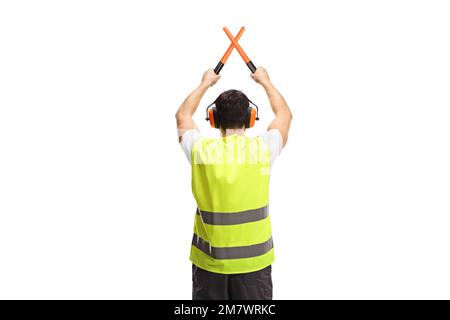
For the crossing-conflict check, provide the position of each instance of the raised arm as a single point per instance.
(283, 115)
(190, 104)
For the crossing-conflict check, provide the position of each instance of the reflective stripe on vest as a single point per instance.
(231, 218)
(232, 252)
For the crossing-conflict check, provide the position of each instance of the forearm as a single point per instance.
(283, 115)
(190, 104)
(277, 102)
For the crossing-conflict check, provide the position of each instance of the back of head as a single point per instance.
(232, 109)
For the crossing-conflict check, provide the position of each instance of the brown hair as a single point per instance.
(232, 109)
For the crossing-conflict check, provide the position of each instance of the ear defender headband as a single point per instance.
(214, 119)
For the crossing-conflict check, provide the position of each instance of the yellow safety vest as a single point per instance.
(230, 183)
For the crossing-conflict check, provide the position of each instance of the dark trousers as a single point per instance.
(208, 285)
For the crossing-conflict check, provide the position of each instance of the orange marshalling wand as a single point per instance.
(244, 56)
(228, 52)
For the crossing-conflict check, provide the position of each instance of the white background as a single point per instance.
(95, 197)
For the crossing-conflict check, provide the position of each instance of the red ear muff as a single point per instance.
(212, 116)
(251, 117)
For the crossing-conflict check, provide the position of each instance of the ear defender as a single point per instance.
(251, 117)
(214, 121)
(212, 117)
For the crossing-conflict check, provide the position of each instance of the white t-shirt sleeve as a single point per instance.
(274, 141)
(188, 139)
